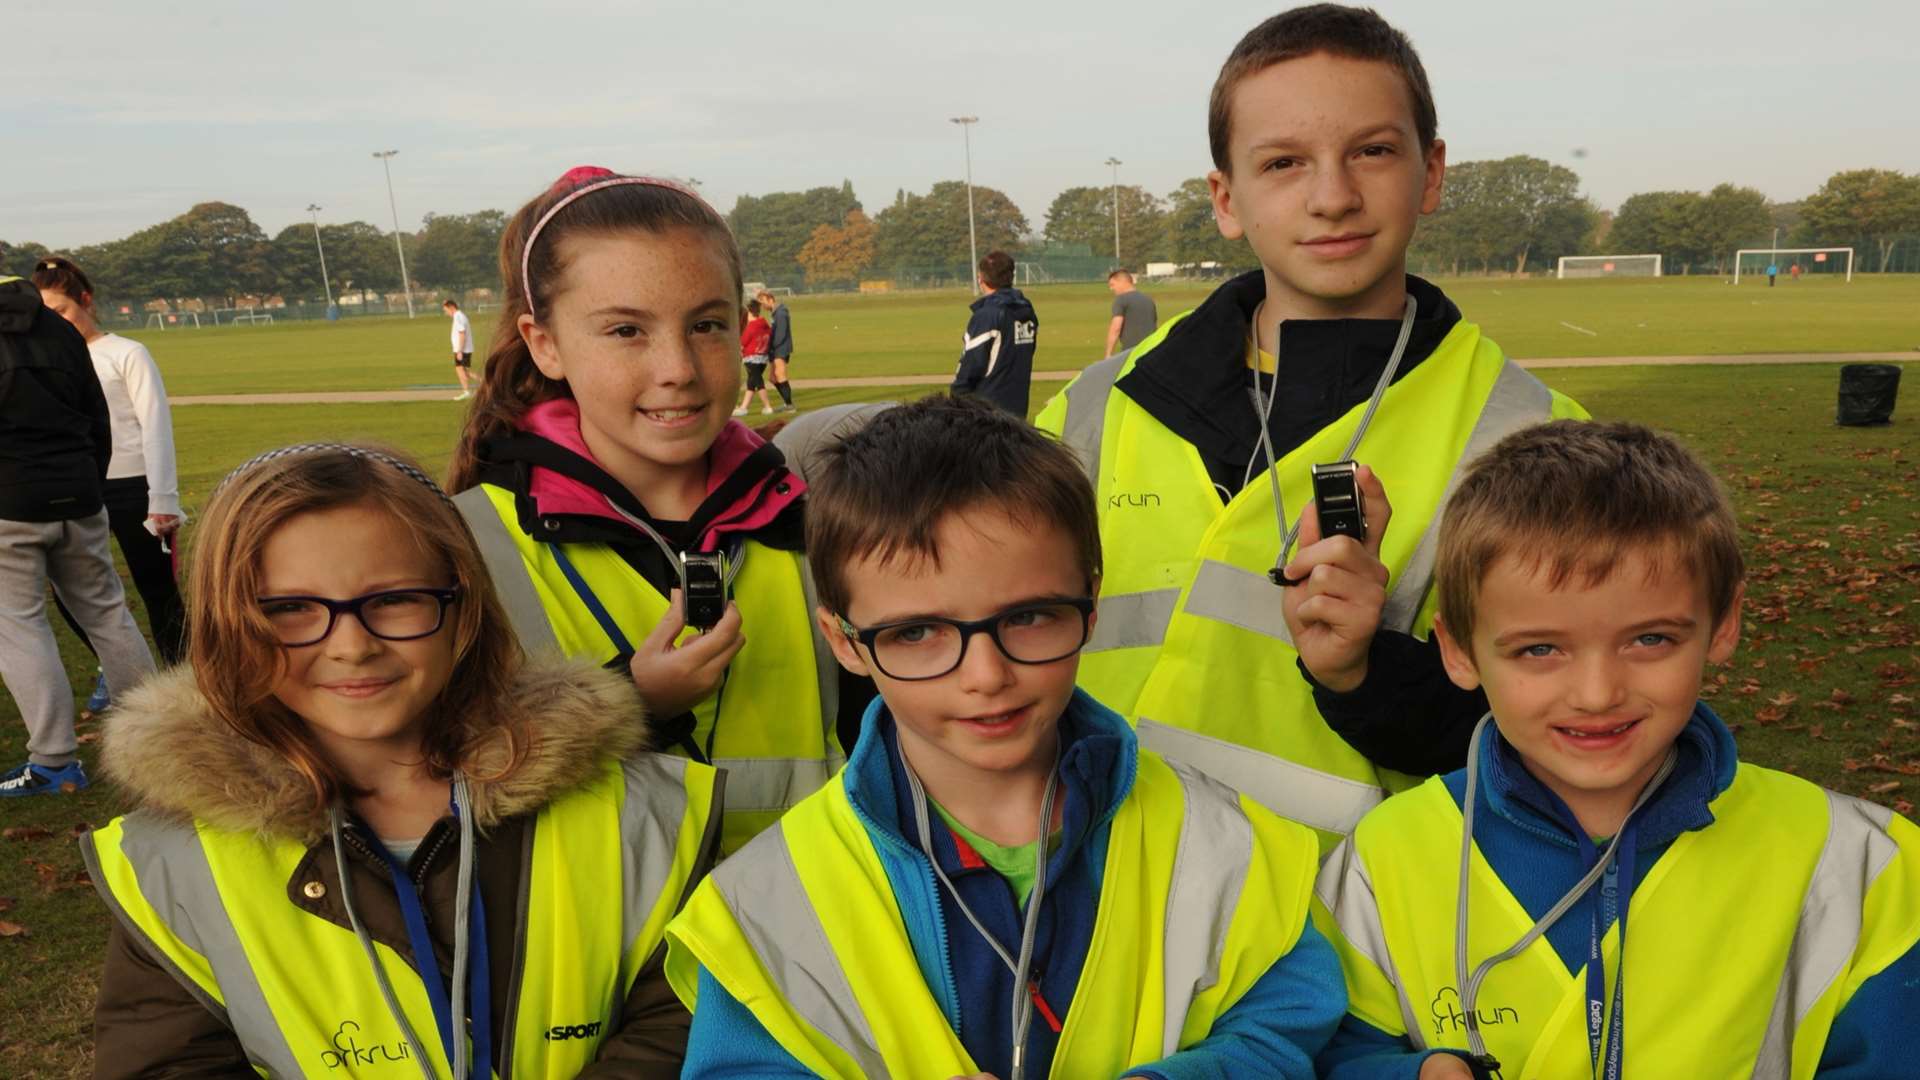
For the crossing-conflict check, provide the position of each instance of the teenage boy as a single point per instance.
(779, 345)
(1589, 573)
(462, 346)
(996, 359)
(999, 881)
(1322, 131)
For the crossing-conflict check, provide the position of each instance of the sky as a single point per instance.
(120, 115)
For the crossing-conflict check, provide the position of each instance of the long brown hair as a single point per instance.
(237, 661)
(512, 384)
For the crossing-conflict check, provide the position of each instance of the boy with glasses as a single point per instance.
(989, 885)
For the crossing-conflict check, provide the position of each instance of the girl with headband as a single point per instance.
(602, 472)
(367, 829)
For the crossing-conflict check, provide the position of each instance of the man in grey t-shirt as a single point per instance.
(1134, 316)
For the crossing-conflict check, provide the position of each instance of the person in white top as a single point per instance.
(462, 347)
(142, 488)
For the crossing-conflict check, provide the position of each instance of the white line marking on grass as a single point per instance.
(1579, 329)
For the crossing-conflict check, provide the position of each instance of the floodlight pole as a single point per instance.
(405, 282)
(314, 209)
(1114, 163)
(973, 249)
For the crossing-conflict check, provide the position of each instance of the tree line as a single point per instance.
(1516, 214)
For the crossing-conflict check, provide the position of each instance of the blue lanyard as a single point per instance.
(479, 981)
(1616, 889)
(621, 646)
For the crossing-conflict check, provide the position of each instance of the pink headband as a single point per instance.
(608, 179)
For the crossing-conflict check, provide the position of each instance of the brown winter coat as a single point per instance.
(164, 747)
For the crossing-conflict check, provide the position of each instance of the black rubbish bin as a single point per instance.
(1866, 394)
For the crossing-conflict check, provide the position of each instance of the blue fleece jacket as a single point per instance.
(1273, 1031)
(1534, 844)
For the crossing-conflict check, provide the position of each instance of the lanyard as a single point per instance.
(621, 646)
(1616, 889)
(479, 980)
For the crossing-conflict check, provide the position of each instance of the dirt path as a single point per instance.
(371, 396)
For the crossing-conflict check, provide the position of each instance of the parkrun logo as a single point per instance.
(1447, 1014)
(347, 1051)
(563, 1032)
(1126, 499)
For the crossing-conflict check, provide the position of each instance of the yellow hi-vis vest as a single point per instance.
(776, 740)
(611, 861)
(1748, 936)
(803, 929)
(1191, 645)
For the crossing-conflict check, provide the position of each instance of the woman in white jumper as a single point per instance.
(142, 488)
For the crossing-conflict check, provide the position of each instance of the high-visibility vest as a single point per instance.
(776, 737)
(804, 930)
(1745, 938)
(1191, 645)
(611, 861)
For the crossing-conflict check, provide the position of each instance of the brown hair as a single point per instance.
(60, 274)
(996, 269)
(1353, 32)
(237, 661)
(1120, 272)
(512, 384)
(1576, 498)
(880, 492)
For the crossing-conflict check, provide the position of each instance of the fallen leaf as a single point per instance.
(26, 832)
(6, 903)
(1882, 789)
(1840, 697)
(12, 929)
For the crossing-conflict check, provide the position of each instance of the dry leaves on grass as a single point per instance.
(11, 929)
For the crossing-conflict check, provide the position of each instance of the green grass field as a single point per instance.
(919, 333)
(1823, 684)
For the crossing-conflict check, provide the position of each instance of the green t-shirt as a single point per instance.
(1013, 863)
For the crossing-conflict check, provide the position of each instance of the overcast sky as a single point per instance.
(120, 115)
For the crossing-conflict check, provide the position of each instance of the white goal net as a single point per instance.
(1581, 266)
(1753, 262)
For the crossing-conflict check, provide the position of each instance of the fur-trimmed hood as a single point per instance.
(164, 746)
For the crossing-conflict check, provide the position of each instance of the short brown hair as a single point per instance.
(882, 491)
(1353, 32)
(237, 660)
(1122, 272)
(996, 269)
(1577, 497)
(61, 275)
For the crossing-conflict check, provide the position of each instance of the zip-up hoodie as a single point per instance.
(56, 435)
(1530, 839)
(996, 358)
(1271, 1032)
(164, 747)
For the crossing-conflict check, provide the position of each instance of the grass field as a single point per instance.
(919, 333)
(1823, 684)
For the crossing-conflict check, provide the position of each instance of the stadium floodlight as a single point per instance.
(1820, 257)
(405, 282)
(1578, 266)
(973, 249)
(314, 209)
(1114, 163)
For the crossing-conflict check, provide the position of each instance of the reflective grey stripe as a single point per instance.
(762, 783)
(650, 817)
(764, 892)
(1857, 850)
(1344, 887)
(511, 582)
(1209, 871)
(178, 883)
(826, 668)
(1128, 620)
(805, 442)
(1517, 400)
(1228, 594)
(1087, 412)
(1288, 788)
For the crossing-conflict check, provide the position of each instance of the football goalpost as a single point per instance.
(166, 319)
(1817, 260)
(1584, 266)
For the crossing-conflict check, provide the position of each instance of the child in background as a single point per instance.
(754, 336)
(1000, 879)
(364, 822)
(599, 462)
(1637, 901)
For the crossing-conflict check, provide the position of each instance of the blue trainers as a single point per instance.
(31, 779)
(99, 699)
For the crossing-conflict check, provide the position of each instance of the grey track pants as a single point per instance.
(74, 556)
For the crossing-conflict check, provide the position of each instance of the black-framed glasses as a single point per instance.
(390, 614)
(930, 646)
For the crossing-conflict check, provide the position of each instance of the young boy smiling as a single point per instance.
(990, 884)
(1589, 573)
